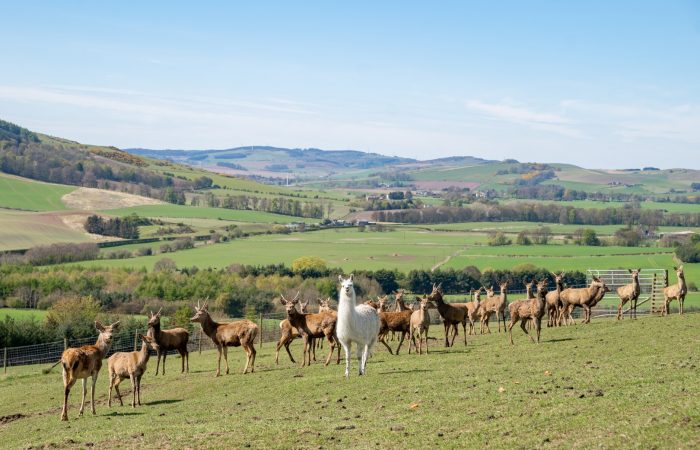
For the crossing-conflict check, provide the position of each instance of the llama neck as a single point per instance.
(346, 304)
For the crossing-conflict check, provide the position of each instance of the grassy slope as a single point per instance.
(30, 195)
(173, 212)
(19, 229)
(610, 385)
(22, 314)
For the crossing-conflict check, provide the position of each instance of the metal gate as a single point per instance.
(651, 284)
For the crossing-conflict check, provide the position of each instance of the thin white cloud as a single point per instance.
(548, 122)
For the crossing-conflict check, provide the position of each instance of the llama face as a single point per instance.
(346, 285)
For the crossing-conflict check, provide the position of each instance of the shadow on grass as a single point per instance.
(119, 414)
(162, 402)
(543, 341)
(397, 372)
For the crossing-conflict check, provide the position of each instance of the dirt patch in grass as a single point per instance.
(88, 199)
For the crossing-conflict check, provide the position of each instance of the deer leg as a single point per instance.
(182, 358)
(132, 377)
(447, 336)
(426, 341)
(680, 305)
(522, 325)
(225, 349)
(464, 329)
(279, 345)
(538, 328)
(331, 345)
(68, 383)
(157, 361)
(382, 339)
(92, 393)
(138, 384)
(246, 346)
(82, 401)
(218, 361)
(403, 336)
(313, 347)
(510, 330)
(587, 314)
(455, 332)
(254, 355)
(119, 394)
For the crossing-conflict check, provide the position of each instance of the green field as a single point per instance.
(176, 213)
(22, 314)
(664, 206)
(29, 195)
(609, 385)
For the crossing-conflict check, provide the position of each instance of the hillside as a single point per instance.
(275, 162)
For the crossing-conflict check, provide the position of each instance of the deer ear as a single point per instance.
(629, 270)
(99, 326)
(639, 270)
(115, 324)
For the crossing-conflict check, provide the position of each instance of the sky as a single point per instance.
(595, 83)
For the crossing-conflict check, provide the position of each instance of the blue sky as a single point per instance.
(599, 84)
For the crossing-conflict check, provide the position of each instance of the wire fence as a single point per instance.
(268, 334)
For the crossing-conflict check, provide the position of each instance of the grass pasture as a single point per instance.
(607, 384)
(22, 313)
(22, 229)
(178, 212)
(30, 195)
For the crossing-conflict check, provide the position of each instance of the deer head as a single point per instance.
(106, 331)
(154, 320)
(290, 305)
(201, 312)
(150, 342)
(635, 274)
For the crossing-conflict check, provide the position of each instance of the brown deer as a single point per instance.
(173, 339)
(130, 365)
(528, 310)
(420, 323)
(83, 362)
(399, 304)
(240, 333)
(288, 333)
(583, 297)
(554, 301)
(629, 293)
(678, 290)
(451, 315)
(494, 305)
(473, 309)
(311, 326)
(396, 322)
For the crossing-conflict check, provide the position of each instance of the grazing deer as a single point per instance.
(173, 339)
(629, 293)
(528, 310)
(241, 333)
(554, 301)
(451, 315)
(130, 365)
(84, 362)
(678, 290)
(357, 324)
(420, 323)
(396, 322)
(288, 333)
(310, 326)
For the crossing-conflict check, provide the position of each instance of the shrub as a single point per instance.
(61, 253)
(144, 251)
(523, 239)
(73, 317)
(165, 265)
(498, 239)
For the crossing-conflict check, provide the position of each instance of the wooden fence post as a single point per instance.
(65, 343)
(261, 330)
(200, 340)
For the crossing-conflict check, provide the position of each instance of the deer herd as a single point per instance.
(363, 324)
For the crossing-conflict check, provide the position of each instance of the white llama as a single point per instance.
(356, 323)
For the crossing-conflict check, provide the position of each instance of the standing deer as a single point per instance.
(451, 315)
(310, 326)
(241, 333)
(678, 290)
(173, 339)
(584, 297)
(554, 301)
(629, 293)
(528, 310)
(420, 323)
(84, 362)
(495, 305)
(130, 365)
(473, 309)
(288, 333)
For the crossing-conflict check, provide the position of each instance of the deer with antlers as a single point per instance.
(83, 362)
(240, 333)
(310, 326)
(288, 333)
(173, 339)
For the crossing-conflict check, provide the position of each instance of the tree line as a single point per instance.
(547, 213)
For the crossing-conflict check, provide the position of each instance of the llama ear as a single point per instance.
(352, 277)
(340, 278)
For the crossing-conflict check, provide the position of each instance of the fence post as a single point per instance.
(65, 343)
(136, 339)
(4, 361)
(261, 330)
